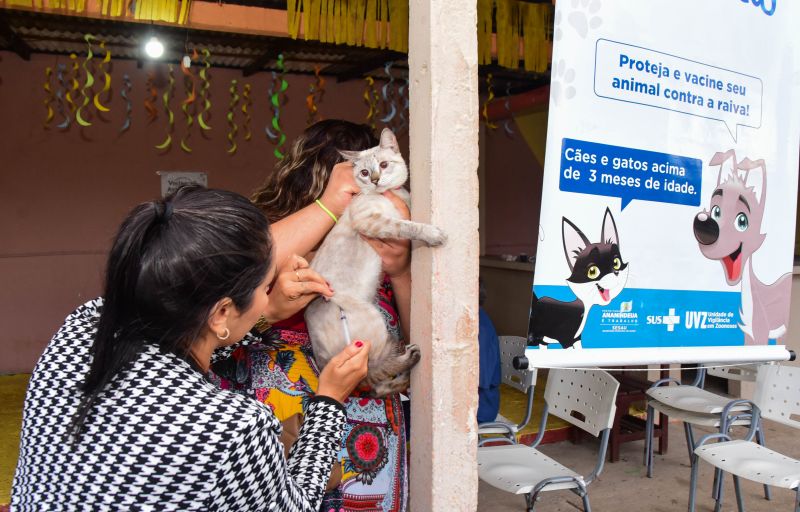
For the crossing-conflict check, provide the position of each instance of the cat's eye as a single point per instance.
(617, 263)
(593, 272)
(741, 223)
(384, 165)
(364, 173)
(716, 212)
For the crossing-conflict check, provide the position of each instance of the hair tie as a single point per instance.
(165, 214)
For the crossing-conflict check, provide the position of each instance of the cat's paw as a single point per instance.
(413, 354)
(434, 236)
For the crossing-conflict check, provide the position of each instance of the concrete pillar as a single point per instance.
(444, 189)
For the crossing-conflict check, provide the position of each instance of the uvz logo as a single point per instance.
(763, 5)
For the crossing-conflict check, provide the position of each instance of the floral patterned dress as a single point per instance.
(280, 372)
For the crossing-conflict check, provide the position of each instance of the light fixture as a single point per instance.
(154, 48)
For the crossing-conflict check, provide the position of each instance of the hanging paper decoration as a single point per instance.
(386, 93)
(87, 84)
(106, 78)
(191, 96)
(246, 102)
(234, 90)
(62, 91)
(507, 104)
(48, 99)
(276, 132)
(316, 90)
(126, 89)
(371, 99)
(171, 11)
(370, 23)
(204, 90)
(170, 116)
(489, 98)
(516, 22)
(403, 92)
(150, 102)
(72, 94)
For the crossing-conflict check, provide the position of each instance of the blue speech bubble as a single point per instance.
(628, 173)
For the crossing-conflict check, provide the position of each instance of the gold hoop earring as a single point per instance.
(224, 336)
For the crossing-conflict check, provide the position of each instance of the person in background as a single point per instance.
(489, 363)
(305, 194)
(119, 414)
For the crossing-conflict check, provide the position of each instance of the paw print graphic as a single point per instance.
(562, 80)
(583, 17)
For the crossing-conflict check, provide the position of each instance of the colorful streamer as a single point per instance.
(403, 91)
(276, 133)
(170, 116)
(316, 90)
(246, 102)
(371, 99)
(234, 90)
(88, 83)
(62, 90)
(507, 104)
(126, 88)
(106, 78)
(204, 90)
(73, 107)
(490, 96)
(48, 99)
(150, 102)
(386, 92)
(189, 85)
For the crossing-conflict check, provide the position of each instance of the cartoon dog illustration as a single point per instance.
(598, 275)
(730, 231)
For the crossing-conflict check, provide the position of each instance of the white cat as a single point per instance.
(353, 269)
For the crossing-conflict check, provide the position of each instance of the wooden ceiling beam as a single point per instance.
(15, 42)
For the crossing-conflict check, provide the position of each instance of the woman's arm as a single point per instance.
(303, 230)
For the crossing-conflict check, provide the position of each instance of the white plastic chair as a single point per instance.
(776, 399)
(521, 380)
(584, 398)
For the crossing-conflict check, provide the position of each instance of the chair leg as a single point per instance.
(648, 451)
(689, 439)
(720, 490)
(760, 440)
(797, 500)
(530, 502)
(739, 502)
(693, 483)
(586, 506)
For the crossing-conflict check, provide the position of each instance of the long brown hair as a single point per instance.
(300, 178)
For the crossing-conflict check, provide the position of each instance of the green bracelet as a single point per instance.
(326, 210)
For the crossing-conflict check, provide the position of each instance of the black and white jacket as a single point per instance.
(161, 437)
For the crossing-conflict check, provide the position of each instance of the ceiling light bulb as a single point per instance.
(154, 48)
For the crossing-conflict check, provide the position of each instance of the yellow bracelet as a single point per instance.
(326, 210)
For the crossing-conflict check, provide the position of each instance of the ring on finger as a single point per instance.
(297, 273)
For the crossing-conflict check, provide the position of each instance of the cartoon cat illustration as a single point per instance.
(598, 275)
(730, 231)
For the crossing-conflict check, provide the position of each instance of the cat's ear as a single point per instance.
(609, 232)
(574, 241)
(389, 141)
(350, 156)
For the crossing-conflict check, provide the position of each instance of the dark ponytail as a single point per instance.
(170, 263)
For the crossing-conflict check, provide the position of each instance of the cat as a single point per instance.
(353, 269)
(597, 275)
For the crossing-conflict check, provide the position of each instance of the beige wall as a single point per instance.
(63, 193)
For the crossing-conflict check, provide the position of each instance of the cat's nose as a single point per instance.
(706, 229)
(375, 179)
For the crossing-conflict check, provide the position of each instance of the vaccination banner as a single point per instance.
(670, 183)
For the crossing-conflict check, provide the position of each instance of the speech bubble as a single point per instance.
(648, 77)
(628, 173)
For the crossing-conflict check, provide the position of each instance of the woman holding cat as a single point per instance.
(280, 372)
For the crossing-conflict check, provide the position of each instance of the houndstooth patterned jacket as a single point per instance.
(161, 437)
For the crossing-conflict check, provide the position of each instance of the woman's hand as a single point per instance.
(296, 285)
(395, 253)
(340, 189)
(344, 371)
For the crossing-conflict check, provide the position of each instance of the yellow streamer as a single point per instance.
(234, 129)
(106, 79)
(490, 96)
(485, 11)
(48, 100)
(75, 84)
(88, 84)
(535, 18)
(204, 89)
(170, 116)
(191, 96)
